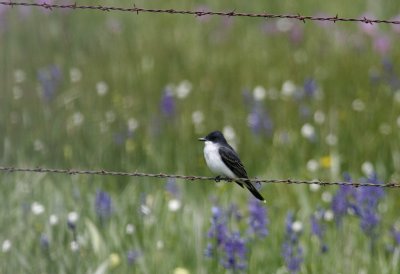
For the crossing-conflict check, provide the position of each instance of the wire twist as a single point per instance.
(199, 13)
(189, 178)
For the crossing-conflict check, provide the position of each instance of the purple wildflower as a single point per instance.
(218, 230)
(247, 97)
(132, 256)
(44, 241)
(305, 111)
(258, 218)
(310, 87)
(363, 201)
(172, 188)
(382, 44)
(296, 34)
(103, 205)
(369, 29)
(259, 121)
(367, 199)
(49, 78)
(389, 74)
(226, 244)
(233, 212)
(119, 138)
(292, 252)
(168, 103)
(235, 252)
(318, 228)
(343, 200)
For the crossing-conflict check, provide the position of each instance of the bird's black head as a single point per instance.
(215, 137)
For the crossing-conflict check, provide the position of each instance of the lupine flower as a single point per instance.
(225, 243)
(233, 212)
(363, 201)
(318, 228)
(259, 121)
(217, 232)
(310, 87)
(292, 252)
(343, 200)
(132, 256)
(49, 78)
(168, 103)
(367, 199)
(258, 218)
(304, 111)
(44, 241)
(382, 44)
(369, 29)
(235, 252)
(296, 33)
(390, 76)
(172, 188)
(103, 205)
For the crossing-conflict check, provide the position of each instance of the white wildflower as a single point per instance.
(183, 89)
(37, 208)
(319, 117)
(174, 205)
(367, 168)
(358, 105)
(75, 75)
(308, 131)
(312, 165)
(101, 88)
(297, 226)
(6, 246)
(259, 93)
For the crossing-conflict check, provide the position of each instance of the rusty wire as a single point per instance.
(200, 13)
(188, 178)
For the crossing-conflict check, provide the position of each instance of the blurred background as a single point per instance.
(86, 89)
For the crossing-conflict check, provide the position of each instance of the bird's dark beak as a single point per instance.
(202, 139)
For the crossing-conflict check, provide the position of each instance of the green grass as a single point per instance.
(138, 57)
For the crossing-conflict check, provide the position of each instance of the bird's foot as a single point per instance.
(217, 179)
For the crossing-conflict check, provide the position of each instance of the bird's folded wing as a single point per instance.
(232, 161)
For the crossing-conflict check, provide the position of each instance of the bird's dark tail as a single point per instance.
(254, 191)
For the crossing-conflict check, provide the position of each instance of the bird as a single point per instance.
(223, 160)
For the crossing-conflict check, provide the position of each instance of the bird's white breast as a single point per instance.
(214, 161)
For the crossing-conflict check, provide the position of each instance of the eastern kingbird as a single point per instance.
(223, 160)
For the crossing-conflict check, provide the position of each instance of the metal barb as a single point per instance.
(232, 13)
(103, 172)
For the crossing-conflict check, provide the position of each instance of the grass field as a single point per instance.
(126, 92)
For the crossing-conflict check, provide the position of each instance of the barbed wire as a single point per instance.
(188, 178)
(200, 13)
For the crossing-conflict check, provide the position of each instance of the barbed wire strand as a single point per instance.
(200, 13)
(188, 178)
